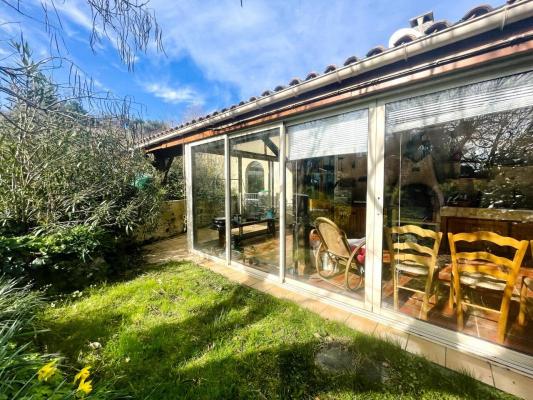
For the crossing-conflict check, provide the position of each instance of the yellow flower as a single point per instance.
(47, 371)
(82, 375)
(85, 387)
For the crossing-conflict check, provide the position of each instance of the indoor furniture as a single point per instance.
(414, 254)
(486, 271)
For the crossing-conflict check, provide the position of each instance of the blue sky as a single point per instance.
(218, 53)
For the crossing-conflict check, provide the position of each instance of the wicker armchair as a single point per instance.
(335, 250)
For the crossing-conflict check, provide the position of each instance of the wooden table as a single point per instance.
(220, 225)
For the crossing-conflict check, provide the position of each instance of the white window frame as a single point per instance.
(371, 306)
(189, 194)
(453, 339)
(299, 285)
(235, 264)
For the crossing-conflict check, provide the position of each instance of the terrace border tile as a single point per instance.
(432, 351)
(361, 324)
(461, 362)
(335, 314)
(392, 335)
(512, 382)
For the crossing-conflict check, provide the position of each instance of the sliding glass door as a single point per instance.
(208, 194)
(326, 175)
(458, 209)
(254, 219)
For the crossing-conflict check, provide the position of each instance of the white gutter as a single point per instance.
(496, 19)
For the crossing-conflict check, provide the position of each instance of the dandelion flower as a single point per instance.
(82, 375)
(47, 371)
(85, 387)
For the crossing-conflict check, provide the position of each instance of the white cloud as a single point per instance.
(168, 94)
(264, 43)
(267, 42)
(77, 12)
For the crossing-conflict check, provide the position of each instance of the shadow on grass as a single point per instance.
(243, 344)
(205, 325)
(289, 371)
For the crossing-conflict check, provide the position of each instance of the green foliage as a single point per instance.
(61, 166)
(18, 362)
(26, 373)
(182, 332)
(69, 258)
(175, 180)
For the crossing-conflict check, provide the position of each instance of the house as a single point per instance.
(412, 164)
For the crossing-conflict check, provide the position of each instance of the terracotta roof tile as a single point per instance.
(375, 51)
(350, 60)
(311, 75)
(404, 39)
(437, 26)
(295, 81)
(477, 11)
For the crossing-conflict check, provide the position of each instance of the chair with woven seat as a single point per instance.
(412, 256)
(335, 249)
(481, 269)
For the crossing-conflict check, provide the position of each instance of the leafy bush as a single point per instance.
(175, 180)
(67, 259)
(67, 167)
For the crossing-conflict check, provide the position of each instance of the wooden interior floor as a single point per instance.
(262, 253)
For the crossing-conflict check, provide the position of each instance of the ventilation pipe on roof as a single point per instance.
(464, 30)
(407, 35)
(421, 22)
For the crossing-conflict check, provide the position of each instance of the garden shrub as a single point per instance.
(61, 165)
(66, 259)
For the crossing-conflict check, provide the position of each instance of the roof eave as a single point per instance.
(497, 18)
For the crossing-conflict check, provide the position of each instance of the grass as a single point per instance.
(179, 331)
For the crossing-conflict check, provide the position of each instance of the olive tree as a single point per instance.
(61, 165)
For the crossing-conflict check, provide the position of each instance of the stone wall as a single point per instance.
(171, 222)
(206, 210)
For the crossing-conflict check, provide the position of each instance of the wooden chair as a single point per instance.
(481, 269)
(527, 284)
(410, 258)
(335, 248)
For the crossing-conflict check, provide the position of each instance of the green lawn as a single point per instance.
(179, 331)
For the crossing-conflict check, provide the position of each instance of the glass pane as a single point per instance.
(461, 177)
(255, 200)
(208, 197)
(326, 215)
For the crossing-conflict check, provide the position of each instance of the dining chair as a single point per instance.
(527, 284)
(414, 257)
(481, 269)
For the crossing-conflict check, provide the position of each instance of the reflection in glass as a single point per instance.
(255, 200)
(326, 174)
(208, 184)
(455, 166)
